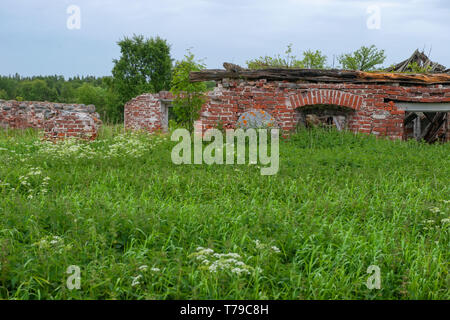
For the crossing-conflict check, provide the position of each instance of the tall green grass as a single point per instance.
(133, 221)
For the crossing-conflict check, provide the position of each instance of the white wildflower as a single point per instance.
(238, 271)
(275, 249)
(56, 240)
(201, 257)
(213, 268)
(204, 251)
(42, 243)
(143, 267)
(4, 184)
(136, 281)
(258, 244)
(233, 255)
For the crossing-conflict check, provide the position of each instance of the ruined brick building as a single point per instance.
(394, 104)
(56, 119)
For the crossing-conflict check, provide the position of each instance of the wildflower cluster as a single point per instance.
(33, 182)
(439, 222)
(53, 243)
(128, 144)
(65, 148)
(263, 246)
(132, 144)
(214, 262)
(4, 184)
(136, 280)
(19, 151)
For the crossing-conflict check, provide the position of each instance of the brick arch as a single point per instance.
(334, 97)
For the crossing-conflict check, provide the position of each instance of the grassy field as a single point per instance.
(140, 227)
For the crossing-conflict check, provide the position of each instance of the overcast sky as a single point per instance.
(35, 39)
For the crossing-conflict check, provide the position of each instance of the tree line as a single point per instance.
(146, 66)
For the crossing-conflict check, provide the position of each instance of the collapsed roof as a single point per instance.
(437, 73)
(420, 60)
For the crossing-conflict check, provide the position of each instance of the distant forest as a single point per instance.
(83, 90)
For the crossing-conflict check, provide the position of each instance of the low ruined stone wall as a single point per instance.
(56, 119)
(368, 108)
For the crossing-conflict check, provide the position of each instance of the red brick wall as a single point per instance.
(56, 119)
(372, 106)
(72, 125)
(146, 112)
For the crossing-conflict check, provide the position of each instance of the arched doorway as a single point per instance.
(326, 108)
(326, 116)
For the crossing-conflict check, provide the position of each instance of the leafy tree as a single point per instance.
(365, 58)
(88, 94)
(105, 101)
(416, 68)
(37, 90)
(9, 84)
(3, 94)
(288, 61)
(145, 65)
(311, 60)
(189, 96)
(314, 59)
(67, 93)
(24, 90)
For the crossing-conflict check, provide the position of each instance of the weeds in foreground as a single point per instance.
(140, 227)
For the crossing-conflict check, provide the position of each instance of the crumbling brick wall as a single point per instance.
(56, 119)
(148, 112)
(370, 108)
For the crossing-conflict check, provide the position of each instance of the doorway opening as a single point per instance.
(324, 116)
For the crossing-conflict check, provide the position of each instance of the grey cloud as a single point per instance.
(35, 40)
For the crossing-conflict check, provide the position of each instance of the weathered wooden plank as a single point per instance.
(410, 117)
(431, 131)
(319, 75)
(440, 121)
